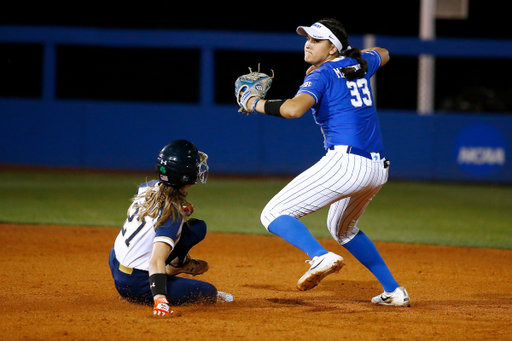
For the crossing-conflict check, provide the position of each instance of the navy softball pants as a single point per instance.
(180, 290)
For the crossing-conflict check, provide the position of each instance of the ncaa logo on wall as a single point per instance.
(480, 150)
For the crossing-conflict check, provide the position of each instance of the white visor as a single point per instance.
(319, 31)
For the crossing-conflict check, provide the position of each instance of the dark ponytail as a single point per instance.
(354, 71)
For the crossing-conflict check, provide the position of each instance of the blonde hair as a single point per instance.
(161, 202)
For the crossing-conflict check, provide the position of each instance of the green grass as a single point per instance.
(426, 213)
(65, 198)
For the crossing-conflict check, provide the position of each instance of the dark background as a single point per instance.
(475, 85)
(487, 19)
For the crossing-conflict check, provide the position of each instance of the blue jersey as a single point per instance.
(345, 109)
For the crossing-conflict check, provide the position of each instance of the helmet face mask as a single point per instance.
(180, 163)
(203, 168)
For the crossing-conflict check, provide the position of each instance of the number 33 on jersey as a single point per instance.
(360, 93)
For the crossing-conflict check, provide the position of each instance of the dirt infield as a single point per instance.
(56, 285)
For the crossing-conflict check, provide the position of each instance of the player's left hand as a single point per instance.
(161, 307)
(254, 84)
(188, 209)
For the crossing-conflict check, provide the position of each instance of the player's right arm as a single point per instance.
(384, 54)
(291, 108)
(160, 253)
(158, 278)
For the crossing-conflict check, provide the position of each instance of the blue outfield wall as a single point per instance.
(448, 147)
(117, 135)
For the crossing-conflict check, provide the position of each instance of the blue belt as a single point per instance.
(363, 153)
(357, 151)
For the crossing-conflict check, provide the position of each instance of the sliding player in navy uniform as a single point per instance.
(153, 245)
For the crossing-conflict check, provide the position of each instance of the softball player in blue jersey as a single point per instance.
(338, 92)
(154, 243)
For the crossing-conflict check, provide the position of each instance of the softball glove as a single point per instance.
(254, 84)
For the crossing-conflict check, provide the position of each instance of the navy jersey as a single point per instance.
(345, 109)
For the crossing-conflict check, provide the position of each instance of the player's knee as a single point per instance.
(343, 236)
(265, 217)
(197, 227)
(264, 221)
(271, 212)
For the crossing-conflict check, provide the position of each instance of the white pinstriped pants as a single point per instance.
(346, 182)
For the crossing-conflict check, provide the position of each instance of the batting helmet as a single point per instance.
(180, 163)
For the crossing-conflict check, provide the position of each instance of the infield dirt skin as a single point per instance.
(56, 285)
